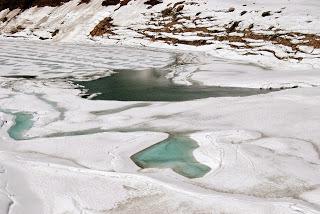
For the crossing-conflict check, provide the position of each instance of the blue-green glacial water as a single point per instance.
(22, 123)
(152, 85)
(176, 153)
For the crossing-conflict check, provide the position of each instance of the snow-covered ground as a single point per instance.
(263, 150)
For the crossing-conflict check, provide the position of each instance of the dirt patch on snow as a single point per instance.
(153, 2)
(84, 2)
(104, 27)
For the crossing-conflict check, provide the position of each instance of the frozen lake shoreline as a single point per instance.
(263, 150)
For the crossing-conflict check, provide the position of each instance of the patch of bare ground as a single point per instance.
(25, 4)
(107, 3)
(84, 2)
(175, 41)
(17, 29)
(104, 27)
(152, 3)
(50, 3)
(55, 32)
(124, 2)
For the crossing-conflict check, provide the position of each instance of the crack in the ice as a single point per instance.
(50, 156)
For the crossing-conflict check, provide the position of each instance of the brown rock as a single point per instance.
(107, 3)
(104, 27)
(153, 2)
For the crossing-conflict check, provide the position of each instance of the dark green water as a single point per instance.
(151, 85)
(23, 122)
(175, 153)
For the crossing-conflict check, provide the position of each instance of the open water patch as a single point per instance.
(176, 152)
(22, 123)
(152, 85)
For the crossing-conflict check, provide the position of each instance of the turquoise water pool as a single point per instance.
(23, 122)
(175, 153)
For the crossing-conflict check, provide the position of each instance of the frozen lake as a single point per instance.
(100, 67)
(145, 141)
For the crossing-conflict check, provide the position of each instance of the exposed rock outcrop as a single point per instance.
(24, 4)
(104, 27)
